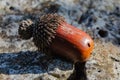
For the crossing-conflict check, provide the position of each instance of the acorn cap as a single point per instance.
(45, 30)
(25, 29)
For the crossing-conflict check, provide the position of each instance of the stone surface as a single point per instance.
(19, 59)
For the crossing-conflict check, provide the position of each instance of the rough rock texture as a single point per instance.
(19, 59)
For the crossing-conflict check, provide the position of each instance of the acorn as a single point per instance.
(53, 35)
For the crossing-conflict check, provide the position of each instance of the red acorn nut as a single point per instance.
(52, 33)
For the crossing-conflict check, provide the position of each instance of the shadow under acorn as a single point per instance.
(30, 62)
(35, 62)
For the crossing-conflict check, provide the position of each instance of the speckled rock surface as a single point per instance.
(19, 59)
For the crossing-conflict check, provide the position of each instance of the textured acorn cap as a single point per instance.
(45, 30)
(25, 29)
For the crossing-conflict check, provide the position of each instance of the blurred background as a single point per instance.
(19, 59)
